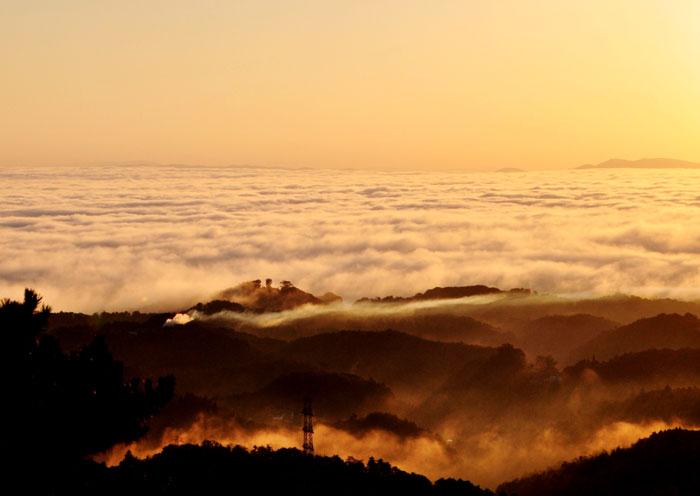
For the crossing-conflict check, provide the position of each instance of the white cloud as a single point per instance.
(163, 237)
(178, 319)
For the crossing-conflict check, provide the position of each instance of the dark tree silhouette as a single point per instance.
(215, 469)
(63, 407)
(663, 463)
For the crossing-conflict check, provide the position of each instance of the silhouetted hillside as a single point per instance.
(212, 361)
(440, 294)
(335, 396)
(246, 386)
(504, 379)
(447, 328)
(97, 320)
(513, 313)
(671, 331)
(559, 335)
(435, 324)
(214, 469)
(254, 295)
(667, 404)
(216, 306)
(649, 368)
(208, 360)
(664, 463)
(406, 363)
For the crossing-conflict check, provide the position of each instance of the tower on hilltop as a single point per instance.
(308, 427)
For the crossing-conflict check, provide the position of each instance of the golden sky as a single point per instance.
(430, 85)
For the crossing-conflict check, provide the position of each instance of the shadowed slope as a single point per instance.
(664, 463)
(672, 331)
(558, 335)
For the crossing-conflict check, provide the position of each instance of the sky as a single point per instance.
(399, 85)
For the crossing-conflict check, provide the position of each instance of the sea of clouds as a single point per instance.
(163, 237)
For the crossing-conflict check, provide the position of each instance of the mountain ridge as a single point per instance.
(643, 163)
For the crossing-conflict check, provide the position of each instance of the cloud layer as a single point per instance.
(156, 237)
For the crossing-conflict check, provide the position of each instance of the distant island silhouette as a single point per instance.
(644, 163)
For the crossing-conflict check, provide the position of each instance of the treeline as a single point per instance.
(61, 407)
(211, 468)
(664, 463)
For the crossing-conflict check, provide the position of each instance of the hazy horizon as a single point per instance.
(377, 85)
(655, 162)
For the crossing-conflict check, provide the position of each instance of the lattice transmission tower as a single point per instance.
(308, 427)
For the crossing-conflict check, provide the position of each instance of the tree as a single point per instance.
(63, 407)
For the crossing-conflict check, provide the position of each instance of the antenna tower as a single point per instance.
(308, 427)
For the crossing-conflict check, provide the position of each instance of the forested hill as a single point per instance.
(210, 469)
(664, 463)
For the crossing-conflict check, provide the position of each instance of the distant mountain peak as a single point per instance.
(450, 292)
(253, 294)
(644, 163)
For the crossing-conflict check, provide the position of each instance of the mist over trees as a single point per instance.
(66, 406)
(437, 407)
